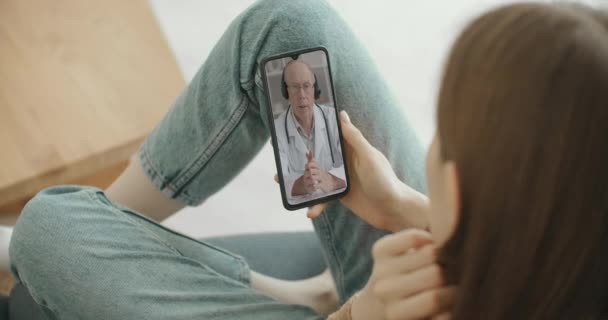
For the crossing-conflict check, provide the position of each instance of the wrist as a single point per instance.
(365, 306)
(411, 209)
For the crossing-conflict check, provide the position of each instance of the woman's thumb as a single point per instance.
(351, 134)
(344, 116)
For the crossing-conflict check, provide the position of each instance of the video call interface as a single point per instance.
(306, 126)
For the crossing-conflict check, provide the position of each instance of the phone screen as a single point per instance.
(306, 133)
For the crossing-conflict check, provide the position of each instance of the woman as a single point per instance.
(517, 197)
(517, 176)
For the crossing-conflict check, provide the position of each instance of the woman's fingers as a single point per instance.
(344, 116)
(316, 210)
(403, 286)
(426, 304)
(400, 242)
(406, 263)
(352, 135)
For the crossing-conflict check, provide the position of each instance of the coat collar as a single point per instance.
(319, 127)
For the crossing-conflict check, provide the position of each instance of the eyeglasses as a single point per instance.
(307, 86)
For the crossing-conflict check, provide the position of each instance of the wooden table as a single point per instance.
(81, 84)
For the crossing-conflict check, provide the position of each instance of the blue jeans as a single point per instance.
(83, 257)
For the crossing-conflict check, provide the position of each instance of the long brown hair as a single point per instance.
(523, 113)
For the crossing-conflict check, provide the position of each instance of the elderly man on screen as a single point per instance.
(308, 138)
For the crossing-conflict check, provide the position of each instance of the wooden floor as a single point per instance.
(8, 219)
(7, 282)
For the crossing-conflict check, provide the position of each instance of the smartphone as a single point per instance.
(306, 134)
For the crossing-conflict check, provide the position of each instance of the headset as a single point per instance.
(285, 94)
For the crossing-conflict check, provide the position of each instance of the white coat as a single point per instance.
(293, 154)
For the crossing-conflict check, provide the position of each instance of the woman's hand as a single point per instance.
(376, 194)
(406, 282)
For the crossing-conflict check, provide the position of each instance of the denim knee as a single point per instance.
(45, 228)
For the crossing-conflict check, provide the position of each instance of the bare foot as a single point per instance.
(318, 293)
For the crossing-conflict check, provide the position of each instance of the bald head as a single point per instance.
(298, 71)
